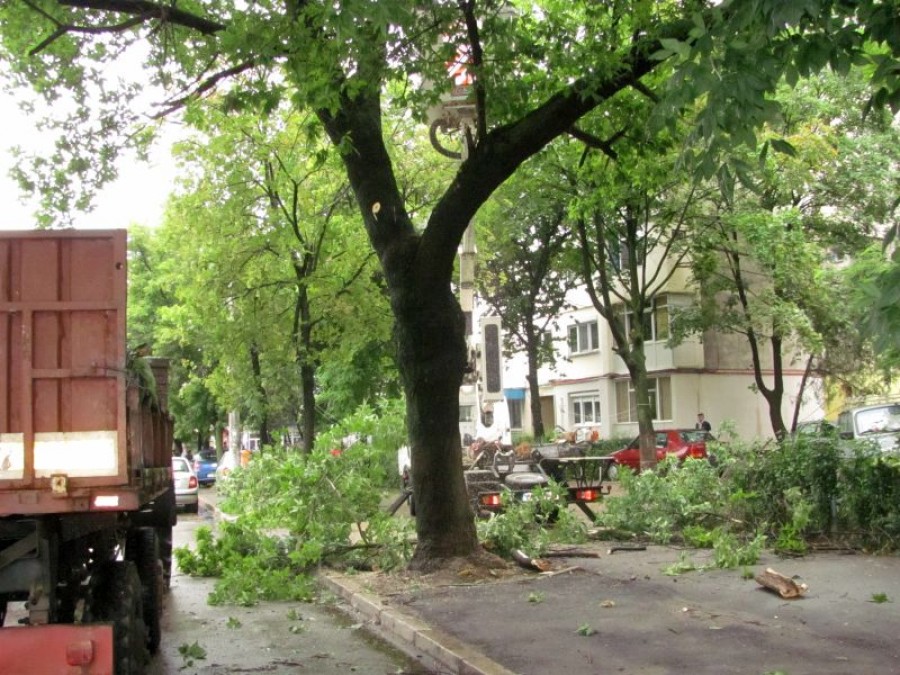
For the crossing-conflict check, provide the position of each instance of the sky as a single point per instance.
(138, 196)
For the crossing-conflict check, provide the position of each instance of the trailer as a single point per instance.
(496, 469)
(87, 503)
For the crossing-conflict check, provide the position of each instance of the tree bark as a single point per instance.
(784, 586)
(430, 331)
(256, 366)
(534, 392)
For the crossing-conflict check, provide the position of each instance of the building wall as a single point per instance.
(712, 375)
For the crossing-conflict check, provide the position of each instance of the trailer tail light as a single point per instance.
(587, 494)
(192, 482)
(491, 499)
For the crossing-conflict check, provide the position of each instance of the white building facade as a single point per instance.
(588, 390)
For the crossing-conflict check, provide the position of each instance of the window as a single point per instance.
(621, 256)
(585, 409)
(465, 413)
(584, 337)
(515, 413)
(660, 395)
(655, 324)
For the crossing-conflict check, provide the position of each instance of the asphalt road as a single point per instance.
(622, 613)
(273, 637)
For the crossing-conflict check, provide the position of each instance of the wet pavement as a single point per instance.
(271, 637)
(620, 613)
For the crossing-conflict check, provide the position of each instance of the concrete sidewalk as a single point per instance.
(622, 613)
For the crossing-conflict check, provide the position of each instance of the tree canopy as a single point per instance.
(538, 69)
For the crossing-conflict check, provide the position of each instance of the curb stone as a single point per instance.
(434, 649)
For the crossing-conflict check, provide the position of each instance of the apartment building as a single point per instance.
(588, 389)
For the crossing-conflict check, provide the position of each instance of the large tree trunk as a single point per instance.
(534, 394)
(304, 351)
(432, 355)
(256, 366)
(637, 368)
(308, 414)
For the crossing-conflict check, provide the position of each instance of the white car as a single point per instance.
(226, 466)
(187, 487)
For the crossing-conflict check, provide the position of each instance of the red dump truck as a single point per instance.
(87, 503)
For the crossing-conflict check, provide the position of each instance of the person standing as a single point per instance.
(702, 423)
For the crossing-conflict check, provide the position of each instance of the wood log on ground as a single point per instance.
(571, 552)
(784, 586)
(529, 563)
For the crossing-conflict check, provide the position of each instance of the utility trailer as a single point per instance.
(496, 469)
(87, 503)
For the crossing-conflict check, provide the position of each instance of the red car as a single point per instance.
(681, 443)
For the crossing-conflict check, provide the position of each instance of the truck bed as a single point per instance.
(75, 434)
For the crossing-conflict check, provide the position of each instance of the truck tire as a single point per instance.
(164, 539)
(142, 548)
(117, 599)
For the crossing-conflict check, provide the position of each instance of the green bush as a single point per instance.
(296, 512)
(794, 492)
(661, 504)
(532, 526)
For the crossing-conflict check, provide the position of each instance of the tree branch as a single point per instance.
(594, 142)
(146, 9)
(499, 153)
(207, 84)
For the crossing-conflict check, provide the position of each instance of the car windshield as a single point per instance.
(879, 420)
(180, 465)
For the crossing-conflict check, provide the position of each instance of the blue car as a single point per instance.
(205, 465)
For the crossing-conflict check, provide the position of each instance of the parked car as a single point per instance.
(680, 443)
(205, 465)
(816, 429)
(186, 485)
(226, 466)
(879, 424)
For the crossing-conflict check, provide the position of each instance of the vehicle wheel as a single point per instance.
(142, 548)
(192, 508)
(164, 541)
(117, 599)
(612, 471)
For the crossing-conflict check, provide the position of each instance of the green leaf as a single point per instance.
(782, 146)
(682, 49)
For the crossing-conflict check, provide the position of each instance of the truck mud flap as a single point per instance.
(57, 648)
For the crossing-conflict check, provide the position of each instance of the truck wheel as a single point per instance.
(142, 548)
(164, 537)
(118, 600)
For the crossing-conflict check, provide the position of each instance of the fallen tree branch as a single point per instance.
(616, 549)
(571, 553)
(529, 563)
(564, 570)
(784, 586)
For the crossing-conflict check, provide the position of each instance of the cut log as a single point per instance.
(571, 552)
(784, 586)
(529, 563)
